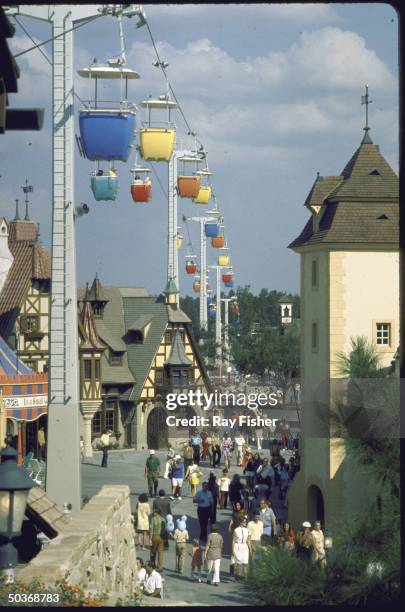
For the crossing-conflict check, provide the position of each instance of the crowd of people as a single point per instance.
(247, 493)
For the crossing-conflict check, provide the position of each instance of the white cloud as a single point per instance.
(333, 58)
(325, 59)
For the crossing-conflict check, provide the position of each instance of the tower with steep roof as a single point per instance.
(349, 251)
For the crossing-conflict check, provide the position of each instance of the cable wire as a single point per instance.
(191, 132)
(31, 39)
(159, 181)
(76, 27)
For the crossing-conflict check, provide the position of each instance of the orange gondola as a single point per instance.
(218, 242)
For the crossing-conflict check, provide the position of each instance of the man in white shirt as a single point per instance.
(239, 442)
(152, 585)
(255, 531)
(105, 443)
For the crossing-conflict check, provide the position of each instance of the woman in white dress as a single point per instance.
(142, 527)
(240, 549)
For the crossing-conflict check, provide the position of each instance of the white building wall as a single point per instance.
(372, 294)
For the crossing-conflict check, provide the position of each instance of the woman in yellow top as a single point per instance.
(193, 474)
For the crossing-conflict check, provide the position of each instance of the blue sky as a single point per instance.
(274, 94)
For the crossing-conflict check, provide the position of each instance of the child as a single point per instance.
(196, 560)
(181, 537)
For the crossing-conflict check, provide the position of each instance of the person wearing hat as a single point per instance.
(305, 542)
(152, 473)
(181, 537)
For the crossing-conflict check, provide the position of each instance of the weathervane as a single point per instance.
(365, 100)
(27, 189)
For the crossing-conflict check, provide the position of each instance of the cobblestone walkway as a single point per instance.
(127, 467)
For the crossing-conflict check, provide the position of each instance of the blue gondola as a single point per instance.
(229, 284)
(107, 128)
(211, 230)
(212, 312)
(104, 187)
(107, 135)
(209, 299)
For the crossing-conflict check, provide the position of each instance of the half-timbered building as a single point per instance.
(150, 351)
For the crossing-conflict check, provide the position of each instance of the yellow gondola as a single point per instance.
(157, 143)
(204, 195)
(205, 192)
(224, 260)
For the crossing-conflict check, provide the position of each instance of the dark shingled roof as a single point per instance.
(362, 208)
(111, 330)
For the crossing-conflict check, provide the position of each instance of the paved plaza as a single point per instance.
(127, 467)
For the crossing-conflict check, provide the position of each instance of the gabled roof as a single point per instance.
(363, 208)
(111, 330)
(31, 261)
(178, 355)
(322, 187)
(175, 315)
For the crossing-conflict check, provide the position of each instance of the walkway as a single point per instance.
(127, 467)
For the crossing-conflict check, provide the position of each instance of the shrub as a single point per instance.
(60, 595)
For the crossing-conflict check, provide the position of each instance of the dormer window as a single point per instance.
(382, 217)
(136, 336)
(98, 309)
(115, 358)
(374, 173)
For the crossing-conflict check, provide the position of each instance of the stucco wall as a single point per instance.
(372, 294)
(96, 551)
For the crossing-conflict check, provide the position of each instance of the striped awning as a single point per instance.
(10, 364)
(26, 414)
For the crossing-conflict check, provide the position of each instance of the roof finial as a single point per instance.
(27, 189)
(366, 100)
(17, 216)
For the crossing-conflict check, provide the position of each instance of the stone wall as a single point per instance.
(96, 551)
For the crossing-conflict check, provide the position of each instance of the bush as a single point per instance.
(279, 578)
(61, 595)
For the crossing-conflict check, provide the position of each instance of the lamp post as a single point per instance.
(14, 487)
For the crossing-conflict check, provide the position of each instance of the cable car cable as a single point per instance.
(31, 39)
(159, 181)
(79, 25)
(170, 86)
(44, 54)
